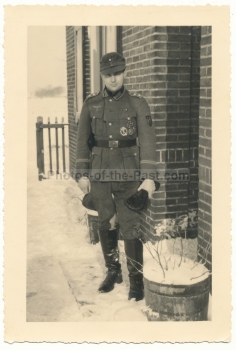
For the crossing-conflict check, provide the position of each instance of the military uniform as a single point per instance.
(124, 147)
(113, 120)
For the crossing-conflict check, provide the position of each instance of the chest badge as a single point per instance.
(96, 107)
(129, 124)
(149, 120)
(123, 131)
(130, 131)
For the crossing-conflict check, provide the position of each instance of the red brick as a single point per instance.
(185, 30)
(181, 38)
(205, 142)
(206, 40)
(160, 145)
(204, 187)
(207, 217)
(184, 93)
(158, 216)
(178, 54)
(209, 50)
(209, 93)
(208, 152)
(184, 108)
(178, 208)
(173, 29)
(160, 29)
(204, 206)
(179, 100)
(179, 155)
(171, 156)
(178, 85)
(178, 70)
(183, 138)
(160, 37)
(204, 123)
(205, 102)
(205, 82)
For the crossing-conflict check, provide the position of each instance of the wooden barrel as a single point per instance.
(177, 302)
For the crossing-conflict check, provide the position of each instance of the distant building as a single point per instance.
(171, 67)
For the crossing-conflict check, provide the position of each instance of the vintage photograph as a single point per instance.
(119, 173)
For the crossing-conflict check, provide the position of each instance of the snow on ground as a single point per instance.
(177, 270)
(63, 269)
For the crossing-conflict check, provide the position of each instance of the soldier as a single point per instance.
(122, 156)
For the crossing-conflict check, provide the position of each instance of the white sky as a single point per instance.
(46, 58)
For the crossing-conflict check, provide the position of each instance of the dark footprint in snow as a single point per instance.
(82, 303)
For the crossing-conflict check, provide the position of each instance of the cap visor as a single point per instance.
(115, 69)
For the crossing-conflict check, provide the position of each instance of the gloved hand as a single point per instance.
(149, 186)
(84, 184)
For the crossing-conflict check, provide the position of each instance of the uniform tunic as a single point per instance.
(115, 173)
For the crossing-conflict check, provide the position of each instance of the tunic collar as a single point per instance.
(117, 95)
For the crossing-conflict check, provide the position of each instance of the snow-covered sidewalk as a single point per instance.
(63, 269)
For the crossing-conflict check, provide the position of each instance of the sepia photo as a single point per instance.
(119, 176)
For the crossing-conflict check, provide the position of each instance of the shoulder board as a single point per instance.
(133, 94)
(91, 95)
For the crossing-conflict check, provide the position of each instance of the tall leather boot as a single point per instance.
(109, 244)
(134, 254)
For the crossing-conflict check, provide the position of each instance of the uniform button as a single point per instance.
(126, 109)
(110, 136)
(110, 100)
(94, 117)
(135, 154)
(111, 149)
(110, 124)
(128, 118)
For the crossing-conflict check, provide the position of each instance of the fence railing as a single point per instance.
(40, 126)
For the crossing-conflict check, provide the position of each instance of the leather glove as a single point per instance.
(84, 184)
(149, 186)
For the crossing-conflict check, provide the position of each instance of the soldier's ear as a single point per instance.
(124, 73)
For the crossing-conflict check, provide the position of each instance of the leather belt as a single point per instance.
(115, 144)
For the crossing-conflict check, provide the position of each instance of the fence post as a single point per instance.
(57, 148)
(50, 146)
(40, 148)
(63, 146)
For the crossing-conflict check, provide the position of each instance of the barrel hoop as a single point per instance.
(177, 290)
(179, 295)
(187, 313)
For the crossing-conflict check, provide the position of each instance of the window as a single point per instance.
(91, 44)
(79, 81)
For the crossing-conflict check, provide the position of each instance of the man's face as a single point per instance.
(113, 81)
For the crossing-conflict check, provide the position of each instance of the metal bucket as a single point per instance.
(177, 302)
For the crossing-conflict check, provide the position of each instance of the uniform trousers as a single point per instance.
(109, 199)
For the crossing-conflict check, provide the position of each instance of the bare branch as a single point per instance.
(200, 275)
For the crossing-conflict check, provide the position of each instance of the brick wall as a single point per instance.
(204, 225)
(71, 83)
(171, 68)
(71, 90)
(162, 66)
(86, 62)
(194, 122)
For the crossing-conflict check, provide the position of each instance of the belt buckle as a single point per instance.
(113, 144)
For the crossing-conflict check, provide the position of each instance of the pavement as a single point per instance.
(63, 269)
